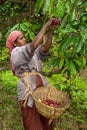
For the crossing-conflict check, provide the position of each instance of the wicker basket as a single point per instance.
(54, 94)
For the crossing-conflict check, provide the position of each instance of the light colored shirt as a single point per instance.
(24, 60)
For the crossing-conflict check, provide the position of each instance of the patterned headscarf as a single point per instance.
(11, 39)
(9, 43)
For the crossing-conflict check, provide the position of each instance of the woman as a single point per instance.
(26, 61)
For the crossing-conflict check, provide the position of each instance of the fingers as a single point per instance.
(52, 27)
(53, 22)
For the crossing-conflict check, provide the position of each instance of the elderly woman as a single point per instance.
(26, 61)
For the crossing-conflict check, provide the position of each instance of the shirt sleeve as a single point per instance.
(27, 52)
(40, 54)
(21, 55)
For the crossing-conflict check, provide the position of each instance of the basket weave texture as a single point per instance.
(53, 94)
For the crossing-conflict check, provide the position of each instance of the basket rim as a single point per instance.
(50, 107)
(37, 101)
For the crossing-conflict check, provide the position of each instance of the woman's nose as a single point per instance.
(24, 39)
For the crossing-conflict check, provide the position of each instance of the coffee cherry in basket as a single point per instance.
(45, 102)
(50, 103)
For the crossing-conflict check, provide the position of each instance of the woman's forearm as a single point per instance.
(48, 42)
(39, 37)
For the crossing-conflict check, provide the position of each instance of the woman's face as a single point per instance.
(20, 41)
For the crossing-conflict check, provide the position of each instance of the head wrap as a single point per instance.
(9, 43)
(11, 39)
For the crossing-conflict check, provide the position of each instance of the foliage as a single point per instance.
(68, 52)
(76, 89)
(26, 27)
(29, 31)
(69, 48)
(10, 114)
(50, 7)
(4, 9)
(7, 79)
(4, 54)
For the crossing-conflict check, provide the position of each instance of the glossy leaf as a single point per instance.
(46, 6)
(38, 6)
(72, 68)
(60, 8)
(61, 63)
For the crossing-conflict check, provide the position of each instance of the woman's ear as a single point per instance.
(14, 44)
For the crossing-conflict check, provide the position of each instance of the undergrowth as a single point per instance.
(74, 118)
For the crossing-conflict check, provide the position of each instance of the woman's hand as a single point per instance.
(56, 22)
(53, 21)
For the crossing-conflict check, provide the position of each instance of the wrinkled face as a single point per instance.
(20, 41)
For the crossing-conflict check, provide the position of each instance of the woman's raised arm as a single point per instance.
(39, 37)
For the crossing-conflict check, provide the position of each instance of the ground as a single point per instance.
(10, 114)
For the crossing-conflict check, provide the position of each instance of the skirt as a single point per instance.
(32, 120)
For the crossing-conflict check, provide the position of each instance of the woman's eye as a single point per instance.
(21, 38)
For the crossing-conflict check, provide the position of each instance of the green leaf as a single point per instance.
(31, 34)
(73, 15)
(22, 27)
(84, 34)
(61, 63)
(78, 63)
(84, 18)
(60, 8)
(67, 62)
(38, 5)
(79, 47)
(83, 61)
(26, 23)
(51, 7)
(46, 6)
(72, 68)
(67, 6)
(66, 43)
